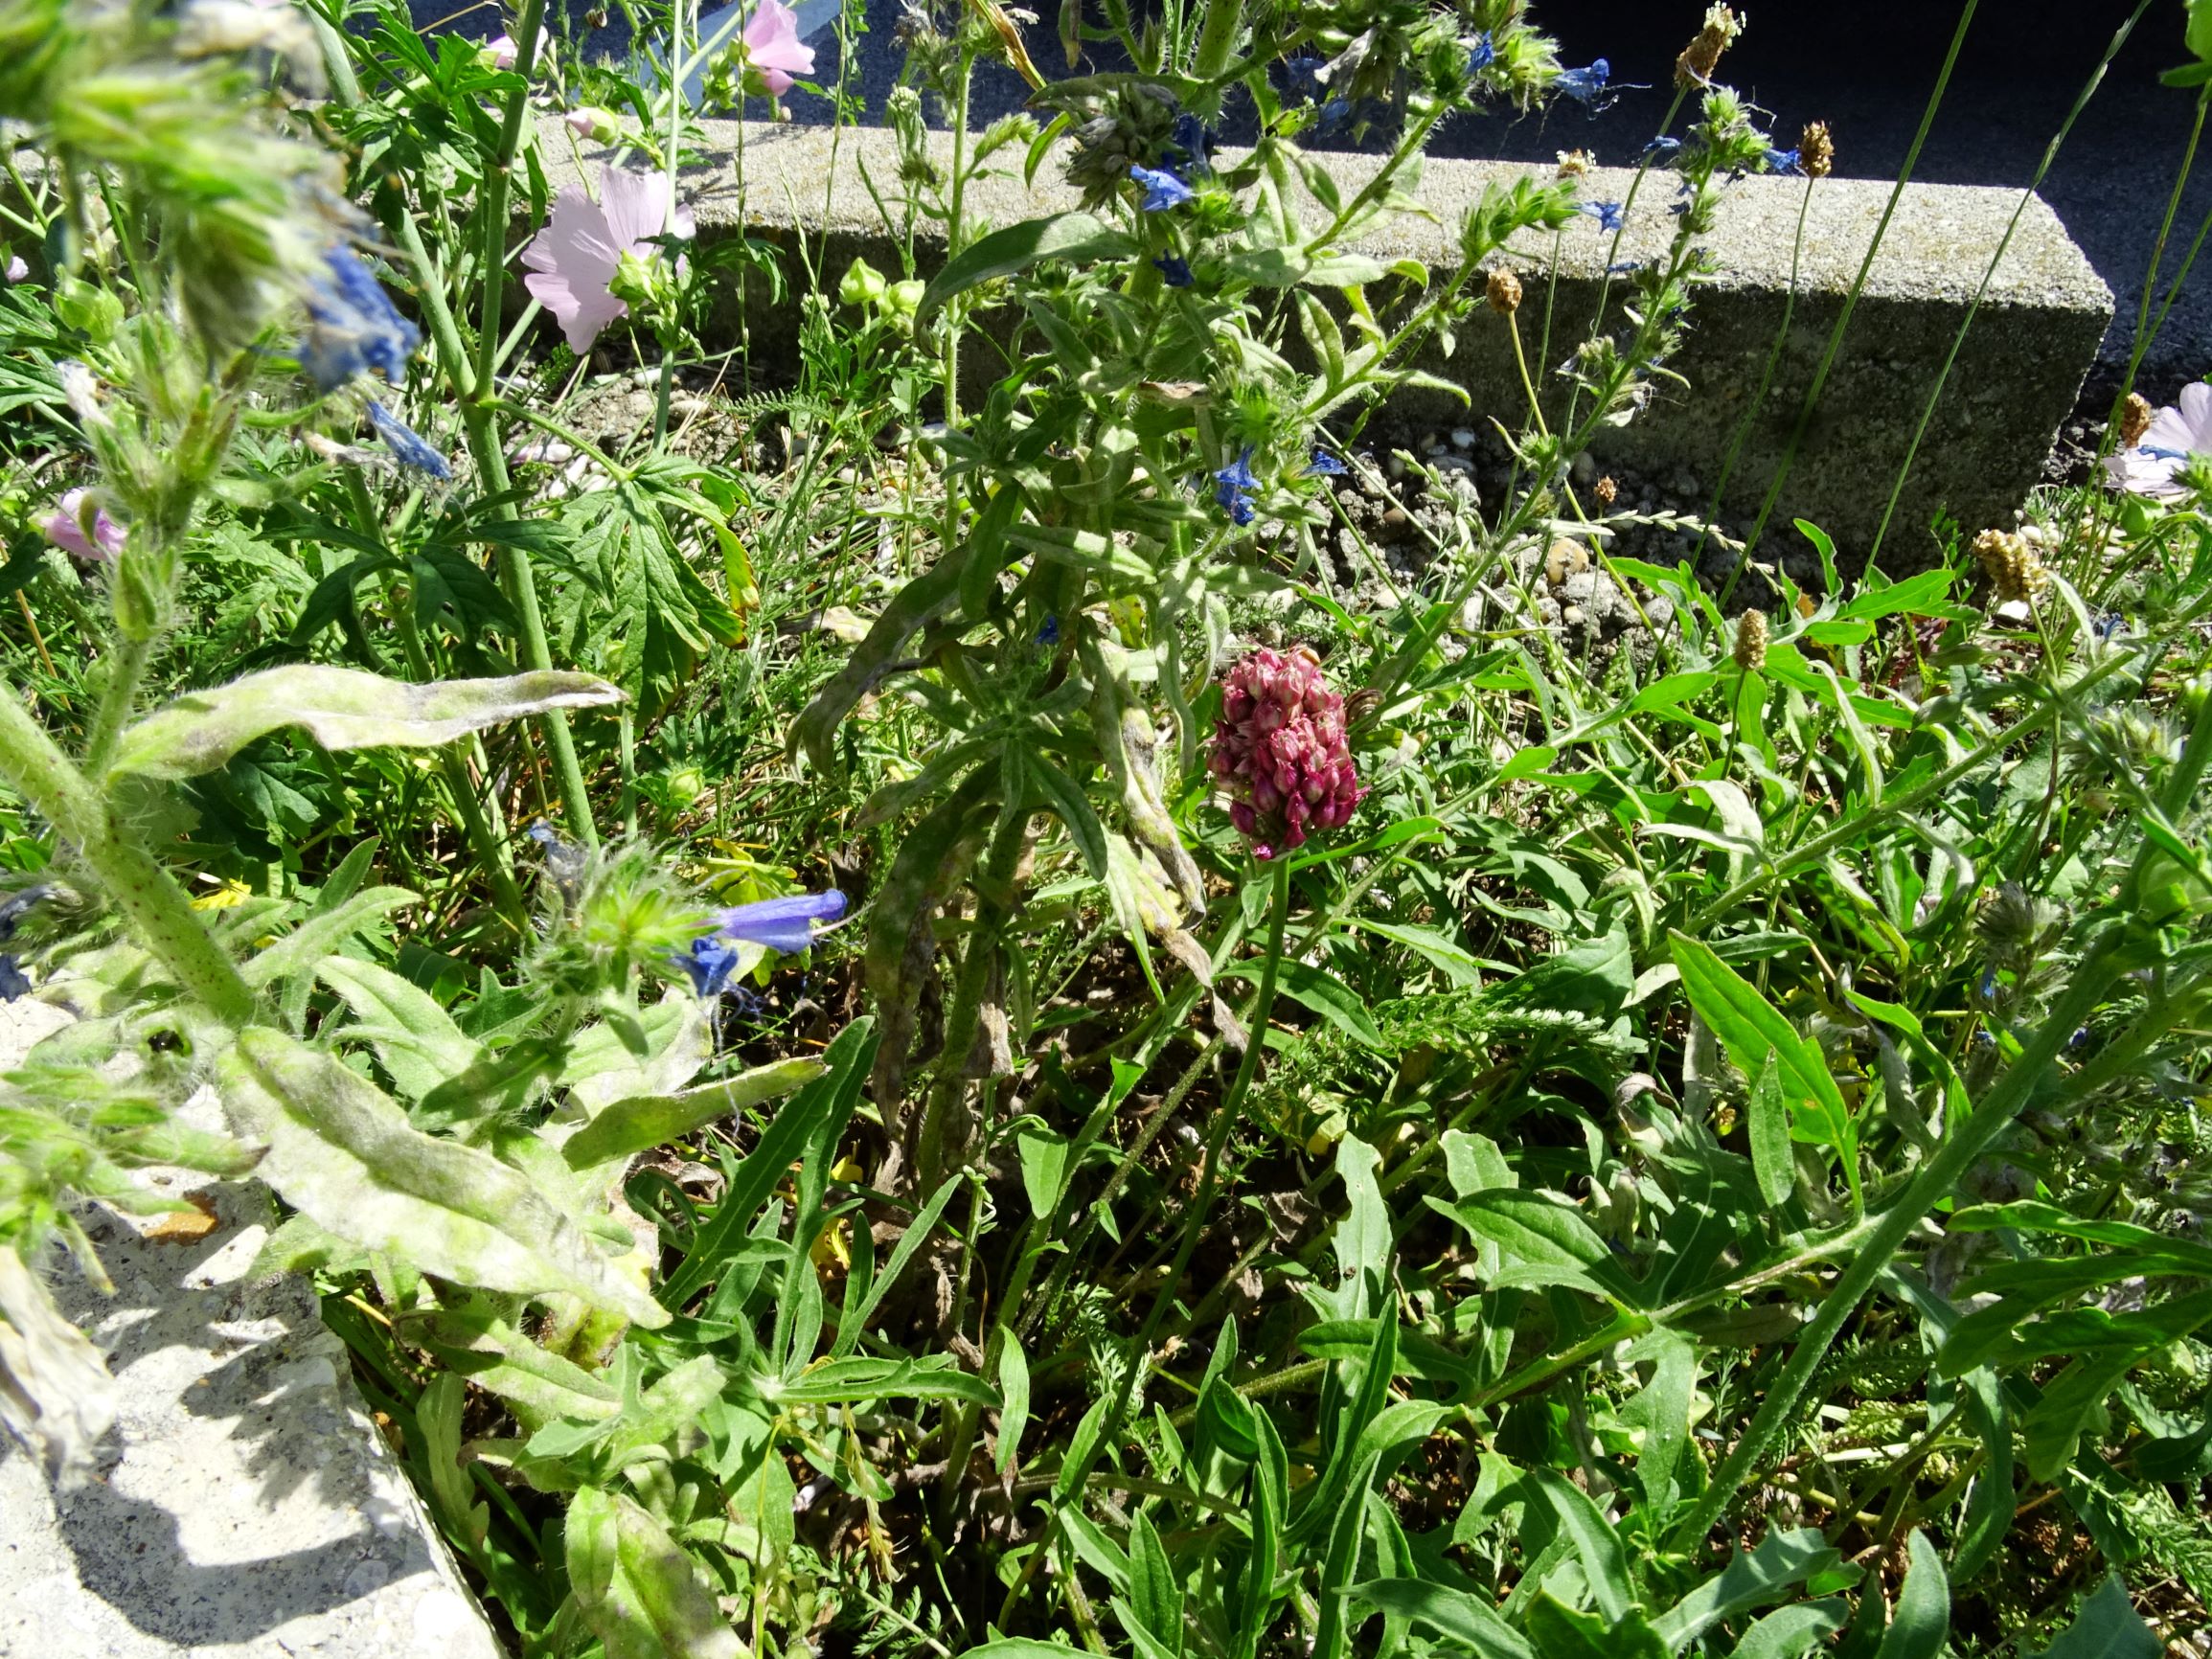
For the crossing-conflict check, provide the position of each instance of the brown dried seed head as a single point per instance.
(1695, 67)
(1503, 292)
(1574, 162)
(2013, 567)
(1815, 150)
(1751, 641)
(1605, 490)
(2135, 419)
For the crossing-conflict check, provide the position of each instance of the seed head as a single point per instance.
(1695, 67)
(1815, 150)
(1280, 749)
(2135, 419)
(1605, 490)
(1503, 292)
(2013, 567)
(1574, 162)
(1751, 641)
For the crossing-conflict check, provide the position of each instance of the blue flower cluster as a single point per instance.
(1233, 487)
(407, 444)
(1174, 270)
(786, 925)
(355, 329)
(1594, 87)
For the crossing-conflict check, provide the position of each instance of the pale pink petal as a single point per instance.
(2140, 472)
(580, 122)
(17, 270)
(573, 262)
(773, 47)
(64, 528)
(2169, 430)
(635, 204)
(501, 53)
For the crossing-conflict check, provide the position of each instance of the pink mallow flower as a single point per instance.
(501, 53)
(574, 260)
(64, 528)
(17, 270)
(773, 47)
(1280, 748)
(2154, 466)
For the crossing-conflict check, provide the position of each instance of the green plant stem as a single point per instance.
(1850, 304)
(935, 1146)
(142, 889)
(124, 668)
(1225, 1114)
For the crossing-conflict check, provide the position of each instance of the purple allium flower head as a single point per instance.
(65, 528)
(1177, 271)
(1609, 215)
(1280, 749)
(353, 327)
(1233, 487)
(2154, 466)
(1163, 189)
(407, 444)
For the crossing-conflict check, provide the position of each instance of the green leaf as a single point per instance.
(1783, 1558)
(2107, 1625)
(1604, 1563)
(415, 1039)
(1922, 1620)
(1772, 1163)
(1044, 1156)
(1749, 1028)
(1546, 1234)
(1154, 1596)
(636, 1588)
(319, 935)
(1319, 991)
(341, 709)
(1072, 808)
(647, 1121)
(1014, 1391)
(1073, 236)
(853, 1324)
(1457, 1615)
(1791, 1633)
(343, 1152)
(1441, 953)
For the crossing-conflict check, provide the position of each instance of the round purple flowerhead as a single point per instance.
(1280, 748)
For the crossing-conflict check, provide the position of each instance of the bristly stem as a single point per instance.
(123, 666)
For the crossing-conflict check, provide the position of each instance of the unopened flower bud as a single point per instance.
(2013, 567)
(1605, 490)
(2135, 419)
(1695, 67)
(599, 125)
(863, 285)
(1815, 150)
(1751, 641)
(1503, 292)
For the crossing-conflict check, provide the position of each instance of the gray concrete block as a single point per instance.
(2015, 380)
(243, 1504)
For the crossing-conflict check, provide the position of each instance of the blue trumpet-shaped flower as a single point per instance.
(1785, 161)
(786, 925)
(1324, 465)
(1663, 148)
(1594, 88)
(1481, 52)
(407, 446)
(1163, 189)
(1175, 271)
(1233, 487)
(1609, 215)
(353, 328)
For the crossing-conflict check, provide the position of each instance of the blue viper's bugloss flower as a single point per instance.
(353, 328)
(1163, 189)
(1304, 72)
(1190, 137)
(1049, 634)
(1481, 52)
(1785, 161)
(405, 443)
(1233, 487)
(1174, 270)
(1324, 465)
(12, 982)
(786, 925)
(1663, 148)
(1609, 215)
(1593, 87)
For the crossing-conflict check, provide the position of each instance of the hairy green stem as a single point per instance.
(124, 668)
(142, 889)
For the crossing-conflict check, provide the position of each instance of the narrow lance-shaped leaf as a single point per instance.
(341, 709)
(644, 1120)
(343, 1152)
(635, 1586)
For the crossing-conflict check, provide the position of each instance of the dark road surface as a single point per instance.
(1866, 68)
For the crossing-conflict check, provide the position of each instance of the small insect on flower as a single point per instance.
(1280, 749)
(407, 446)
(1162, 189)
(1610, 216)
(1233, 487)
(1173, 270)
(66, 528)
(1502, 291)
